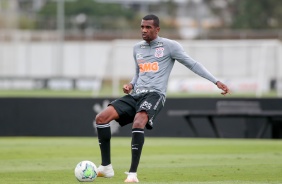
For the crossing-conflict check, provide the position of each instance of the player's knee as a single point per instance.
(106, 116)
(138, 124)
(140, 120)
(100, 119)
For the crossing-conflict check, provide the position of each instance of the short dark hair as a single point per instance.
(154, 18)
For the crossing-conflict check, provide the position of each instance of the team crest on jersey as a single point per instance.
(139, 56)
(159, 52)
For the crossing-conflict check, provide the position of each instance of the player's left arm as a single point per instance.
(180, 55)
(223, 87)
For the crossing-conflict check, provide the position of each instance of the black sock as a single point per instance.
(104, 137)
(136, 148)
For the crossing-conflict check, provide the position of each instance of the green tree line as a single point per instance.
(249, 14)
(235, 14)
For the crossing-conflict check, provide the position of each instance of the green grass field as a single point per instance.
(51, 160)
(107, 92)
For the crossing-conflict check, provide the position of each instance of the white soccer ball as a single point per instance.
(85, 171)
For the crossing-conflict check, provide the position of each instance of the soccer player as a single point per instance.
(154, 58)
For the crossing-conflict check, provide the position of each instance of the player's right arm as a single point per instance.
(127, 88)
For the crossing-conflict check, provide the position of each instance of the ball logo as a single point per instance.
(89, 172)
(159, 52)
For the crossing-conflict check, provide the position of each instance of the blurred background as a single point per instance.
(85, 46)
(63, 61)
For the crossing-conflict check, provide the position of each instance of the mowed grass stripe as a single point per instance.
(43, 160)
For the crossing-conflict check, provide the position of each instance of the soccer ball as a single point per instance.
(85, 171)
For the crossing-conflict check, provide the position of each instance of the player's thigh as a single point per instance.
(107, 115)
(126, 109)
(140, 119)
(152, 104)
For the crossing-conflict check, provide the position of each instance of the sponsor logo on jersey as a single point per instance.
(144, 90)
(159, 52)
(160, 44)
(142, 46)
(148, 67)
(139, 56)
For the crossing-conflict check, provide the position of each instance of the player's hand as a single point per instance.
(223, 87)
(127, 88)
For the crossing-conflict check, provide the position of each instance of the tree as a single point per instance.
(96, 12)
(250, 14)
(256, 14)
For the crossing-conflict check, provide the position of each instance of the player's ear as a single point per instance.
(158, 29)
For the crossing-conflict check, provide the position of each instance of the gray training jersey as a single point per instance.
(154, 62)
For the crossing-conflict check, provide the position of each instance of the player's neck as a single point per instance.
(152, 41)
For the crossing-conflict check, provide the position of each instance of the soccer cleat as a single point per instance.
(131, 178)
(106, 171)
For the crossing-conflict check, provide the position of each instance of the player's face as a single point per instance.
(148, 30)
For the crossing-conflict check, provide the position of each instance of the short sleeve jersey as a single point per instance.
(154, 62)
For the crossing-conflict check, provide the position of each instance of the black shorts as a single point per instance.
(128, 105)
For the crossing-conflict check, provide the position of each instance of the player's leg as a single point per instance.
(138, 138)
(103, 120)
(137, 142)
(149, 107)
(122, 110)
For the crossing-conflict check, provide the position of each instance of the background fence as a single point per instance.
(74, 117)
(246, 65)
